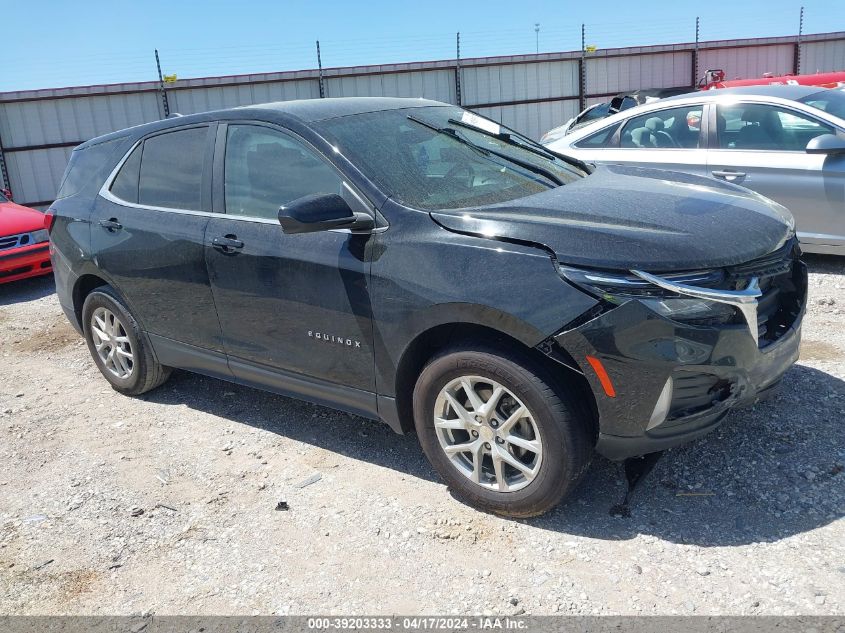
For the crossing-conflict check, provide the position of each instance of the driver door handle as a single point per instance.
(729, 175)
(227, 243)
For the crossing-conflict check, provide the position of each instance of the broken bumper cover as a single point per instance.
(673, 382)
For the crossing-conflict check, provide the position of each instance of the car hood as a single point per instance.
(16, 219)
(629, 217)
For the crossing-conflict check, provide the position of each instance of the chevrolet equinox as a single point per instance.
(413, 262)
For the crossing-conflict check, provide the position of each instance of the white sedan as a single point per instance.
(784, 142)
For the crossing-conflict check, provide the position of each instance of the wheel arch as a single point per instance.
(432, 341)
(89, 281)
(84, 286)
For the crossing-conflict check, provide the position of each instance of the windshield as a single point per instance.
(831, 101)
(592, 114)
(426, 159)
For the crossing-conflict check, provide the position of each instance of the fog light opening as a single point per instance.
(661, 408)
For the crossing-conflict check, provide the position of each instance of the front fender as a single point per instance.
(438, 277)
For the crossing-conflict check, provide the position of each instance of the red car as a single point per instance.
(24, 242)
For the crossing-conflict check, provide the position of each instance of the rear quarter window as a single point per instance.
(88, 165)
(125, 185)
(601, 138)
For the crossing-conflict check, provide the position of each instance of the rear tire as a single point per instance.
(120, 349)
(519, 468)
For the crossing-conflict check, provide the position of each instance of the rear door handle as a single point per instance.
(729, 175)
(227, 243)
(111, 224)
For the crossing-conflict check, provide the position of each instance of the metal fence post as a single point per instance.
(320, 72)
(796, 64)
(458, 69)
(4, 170)
(695, 70)
(582, 72)
(161, 88)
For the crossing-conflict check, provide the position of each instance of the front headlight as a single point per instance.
(618, 288)
(41, 235)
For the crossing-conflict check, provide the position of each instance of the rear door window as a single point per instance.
(88, 165)
(672, 128)
(171, 169)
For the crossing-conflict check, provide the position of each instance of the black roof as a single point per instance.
(304, 110)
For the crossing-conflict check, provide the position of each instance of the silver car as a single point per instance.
(784, 142)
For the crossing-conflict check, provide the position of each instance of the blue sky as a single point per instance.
(50, 44)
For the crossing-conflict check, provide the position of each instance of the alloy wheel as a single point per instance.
(112, 343)
(487, 433)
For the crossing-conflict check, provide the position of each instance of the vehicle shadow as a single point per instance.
(342, 433)
(768, 473)
(26, 290)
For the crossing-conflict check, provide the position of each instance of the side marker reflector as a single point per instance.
(604, 379)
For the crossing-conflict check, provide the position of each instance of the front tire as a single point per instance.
(120, 349)
(499, 433)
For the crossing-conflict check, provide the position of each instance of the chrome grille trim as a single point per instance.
(743, 300)
(754, 288)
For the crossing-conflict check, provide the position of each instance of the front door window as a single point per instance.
(265, 169)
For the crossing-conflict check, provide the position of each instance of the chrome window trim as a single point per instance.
(105, 193)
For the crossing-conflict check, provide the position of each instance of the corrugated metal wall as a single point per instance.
(531, 93)
(611, 75)
(823, 56)
(750, 61)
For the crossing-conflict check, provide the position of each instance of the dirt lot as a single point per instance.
(166, 504)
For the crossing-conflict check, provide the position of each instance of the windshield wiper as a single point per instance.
(452, 133)
(525, 143)
(487, 151)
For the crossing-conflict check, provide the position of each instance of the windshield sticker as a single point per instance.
(481, 123)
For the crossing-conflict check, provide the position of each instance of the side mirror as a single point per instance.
(321, 212)
(826, 144)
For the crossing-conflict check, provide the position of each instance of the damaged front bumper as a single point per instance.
(659, 383)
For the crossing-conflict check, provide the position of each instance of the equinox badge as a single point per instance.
(331, 338)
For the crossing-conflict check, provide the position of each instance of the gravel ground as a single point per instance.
(166, 503)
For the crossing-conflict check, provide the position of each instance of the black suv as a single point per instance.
(409, 261)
